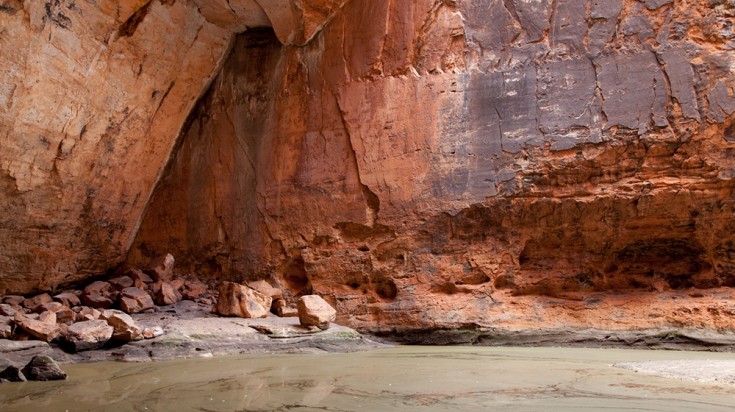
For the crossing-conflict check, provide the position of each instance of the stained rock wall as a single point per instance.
(488, 163)
(93, 97)
(421, 164)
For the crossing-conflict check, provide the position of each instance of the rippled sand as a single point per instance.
(403, 378)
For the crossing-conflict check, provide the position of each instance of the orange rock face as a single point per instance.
(567, 165)
(93, 98)
(422, 169)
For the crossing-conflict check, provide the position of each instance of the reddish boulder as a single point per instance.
(283, 310)
(8, 310)
(97, 295)
(194, 290)
(134, 300)
(63, 313)
(48, 307)
(13, 300)
(44, 328)
(178, 283)
(35, 301)
(97, 301)
(121, 282)
(124, 326)
(315, 311)
(140, 279)
(242, 301)
(165, 294)
(97, 287)
(265, 288)
(162, 268)
(87, 313)
(69, 299)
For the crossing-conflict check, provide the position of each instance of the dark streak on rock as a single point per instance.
(128, 28)
(55, 15)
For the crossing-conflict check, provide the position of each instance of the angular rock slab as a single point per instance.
(135, 300)
(124, 326)
(44, 328)
(315, 311)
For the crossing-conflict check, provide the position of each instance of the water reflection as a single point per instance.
(407, 378)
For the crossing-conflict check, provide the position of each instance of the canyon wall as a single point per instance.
(486, 163)
(421, 164)
(93, 98)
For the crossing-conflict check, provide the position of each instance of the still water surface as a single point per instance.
(403, 378)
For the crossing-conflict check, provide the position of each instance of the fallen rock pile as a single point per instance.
(100, 313)
(256, 299)
(89, 318)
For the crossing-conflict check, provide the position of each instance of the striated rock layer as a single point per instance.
(420, 164)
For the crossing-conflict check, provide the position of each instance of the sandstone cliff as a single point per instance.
(421, 164)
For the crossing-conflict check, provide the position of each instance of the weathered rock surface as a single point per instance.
(315, 311)
(164, 293)
(134, 300)
(242, 301)
(88, 335)
(515, 174)
(458, 173)
(44, 328)
(162, 268)
(124, 327)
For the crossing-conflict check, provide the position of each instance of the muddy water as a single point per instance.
(404, 378)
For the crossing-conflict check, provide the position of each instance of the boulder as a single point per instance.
(315, 311)
(6, 327)
(121, 282)
(7, 310)
(98, 295)
(194, 290)
(140, 279)
(43, 368)
(125, 329)
(242, 301)
(12, 374)
(152, 332)
(44, 328)
(48, 307)
(97, 301)
(266, 289)
(161, 268)
(135, 300)
(88, 335)
(64, 314)
(69, 299)
(33, 302)
(283, 310)
(178, 283)
(165, 294)
(13, 300)
(97, 287)
(87, 313)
